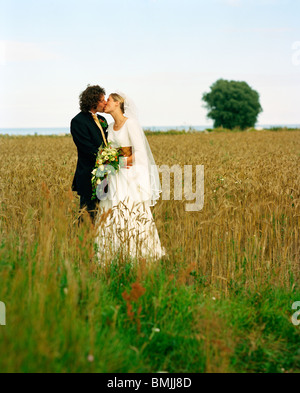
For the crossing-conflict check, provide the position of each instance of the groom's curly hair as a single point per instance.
(90, 97)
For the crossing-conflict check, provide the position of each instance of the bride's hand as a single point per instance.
(125, 162)
(129, 161)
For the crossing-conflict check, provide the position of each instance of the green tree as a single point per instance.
(232, 104)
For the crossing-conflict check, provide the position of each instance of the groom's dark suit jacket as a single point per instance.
(87, 138)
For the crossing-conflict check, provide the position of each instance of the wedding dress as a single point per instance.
(130, 228)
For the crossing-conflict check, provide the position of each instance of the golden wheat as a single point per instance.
(247, 232)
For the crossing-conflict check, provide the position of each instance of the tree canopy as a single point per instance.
(232, 104)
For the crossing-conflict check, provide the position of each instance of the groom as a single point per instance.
(88, 131)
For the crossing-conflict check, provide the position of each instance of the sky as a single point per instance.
(165, 54)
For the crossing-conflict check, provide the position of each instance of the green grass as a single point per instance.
(222, 300)
(60, 312)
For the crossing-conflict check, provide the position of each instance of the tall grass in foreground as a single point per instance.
(220, 302)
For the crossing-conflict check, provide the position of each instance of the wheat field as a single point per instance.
(221, 301)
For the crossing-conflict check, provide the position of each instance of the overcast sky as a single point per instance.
(164, 53)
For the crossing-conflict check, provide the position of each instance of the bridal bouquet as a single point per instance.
(107, 161)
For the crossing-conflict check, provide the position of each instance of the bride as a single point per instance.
(125, 222)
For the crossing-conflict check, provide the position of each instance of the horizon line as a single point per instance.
(164, 126)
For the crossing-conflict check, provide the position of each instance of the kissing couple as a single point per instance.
(123, 217)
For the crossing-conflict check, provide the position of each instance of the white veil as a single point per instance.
(146, 169)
